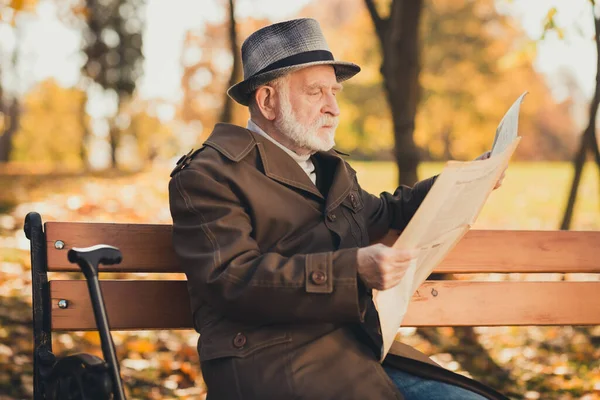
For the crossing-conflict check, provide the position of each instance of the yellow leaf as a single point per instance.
(23, 5)
(551, 13)
(141, 346)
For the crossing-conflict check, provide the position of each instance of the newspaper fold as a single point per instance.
(446, 214)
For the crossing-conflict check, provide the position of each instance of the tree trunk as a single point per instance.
(3, 118)
(113, 141)
(114, 134)
(578, 163)
(227, 112)
(401, 71)
(447, 137)
(588, 139)
(85, 135)
(399, 39)
(12, 118)
(12, 112)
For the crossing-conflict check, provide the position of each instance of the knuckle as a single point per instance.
(382, 259)
(383, 281)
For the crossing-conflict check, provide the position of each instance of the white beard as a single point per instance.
(305, 136)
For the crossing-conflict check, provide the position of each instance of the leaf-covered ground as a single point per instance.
(545, 362)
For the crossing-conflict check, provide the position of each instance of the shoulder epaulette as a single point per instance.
(185, 160)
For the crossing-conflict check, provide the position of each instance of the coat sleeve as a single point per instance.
(212, 236)
(394, 211)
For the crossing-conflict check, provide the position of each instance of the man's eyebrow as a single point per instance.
(336, 87)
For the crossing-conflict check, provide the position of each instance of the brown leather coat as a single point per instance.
(272, 271)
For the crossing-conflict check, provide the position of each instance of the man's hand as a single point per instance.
(381, 267)
(487, 155)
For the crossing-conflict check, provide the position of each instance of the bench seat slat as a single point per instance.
(145, 304)
(148, 248)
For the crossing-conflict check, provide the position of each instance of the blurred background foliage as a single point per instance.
(475, 62)
(90, 133)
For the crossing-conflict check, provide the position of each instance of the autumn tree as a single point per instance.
(474, 64)
(458, 47)
(50, 131)
(10, 111)
(10, 106)
(113, 46)
(74, 14)
(399, 39)
(588, 142)
(209, 68)
(204, 81)
(236, 68)
(150, 135)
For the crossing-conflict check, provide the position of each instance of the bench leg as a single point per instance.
(43, 358)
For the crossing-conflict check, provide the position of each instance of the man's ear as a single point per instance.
(265, 102)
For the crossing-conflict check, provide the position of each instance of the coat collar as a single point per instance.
(232, 141)
(236, 143)
(343, 177)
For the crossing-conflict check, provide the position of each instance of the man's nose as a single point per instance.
(331, 105)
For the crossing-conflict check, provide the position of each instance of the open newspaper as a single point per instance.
(446, 214)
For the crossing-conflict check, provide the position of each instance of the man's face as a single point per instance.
(308, 113)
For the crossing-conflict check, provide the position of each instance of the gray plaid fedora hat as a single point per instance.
(281, 48)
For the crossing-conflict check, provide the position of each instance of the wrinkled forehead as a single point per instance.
(315, 77)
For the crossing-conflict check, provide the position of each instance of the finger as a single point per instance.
(396, 269)
(396, 279)
(389, 282)
(484, 156)
(499, 183)
(401, 264)
(406, 254)
(404, 263)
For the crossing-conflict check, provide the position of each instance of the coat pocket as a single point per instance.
(263, 375)
(239, 342)
(352, 209)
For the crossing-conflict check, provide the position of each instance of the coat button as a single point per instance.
(318, 277)
(239, 340)
(354, 200)
(331, 217)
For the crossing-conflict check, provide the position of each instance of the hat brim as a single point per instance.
(242, 91)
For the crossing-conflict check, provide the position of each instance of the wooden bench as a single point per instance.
(64, 305)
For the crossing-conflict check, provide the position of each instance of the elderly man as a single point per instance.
(274, 231)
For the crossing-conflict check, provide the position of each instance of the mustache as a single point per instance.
(327, 120)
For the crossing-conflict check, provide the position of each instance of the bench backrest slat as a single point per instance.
(165, 305)
(145, 248)
(148, 248)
